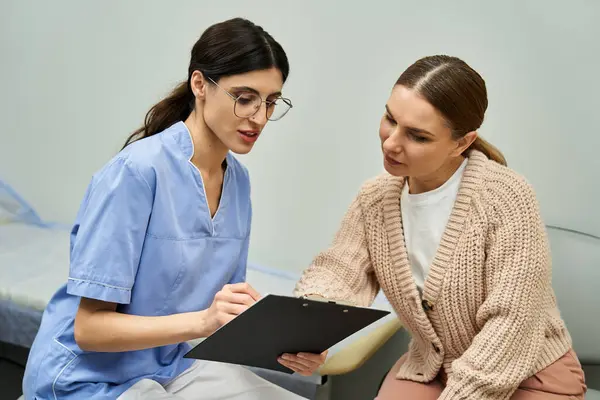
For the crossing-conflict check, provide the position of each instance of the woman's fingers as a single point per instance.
(244, 288)
(315, 358)
(237, 298)
(232, 308)
(295, 366)
(303, 363)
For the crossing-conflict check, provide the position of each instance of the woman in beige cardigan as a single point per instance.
(456, 242)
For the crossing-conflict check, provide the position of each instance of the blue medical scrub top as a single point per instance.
(143, 238)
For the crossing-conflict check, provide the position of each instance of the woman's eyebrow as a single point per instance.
(249, 89)
(387, 109)
(419, 130)
(411, 128)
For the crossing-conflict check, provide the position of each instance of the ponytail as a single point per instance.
(177, 106)
(488, 149)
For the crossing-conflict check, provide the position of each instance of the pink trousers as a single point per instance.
(561, 380)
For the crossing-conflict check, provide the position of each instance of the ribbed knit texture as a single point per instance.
(494, 321)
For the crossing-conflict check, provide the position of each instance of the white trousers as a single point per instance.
(206, 380)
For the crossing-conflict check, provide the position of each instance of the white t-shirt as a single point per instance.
(424, 219)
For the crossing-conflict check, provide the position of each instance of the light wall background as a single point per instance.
(77, 77)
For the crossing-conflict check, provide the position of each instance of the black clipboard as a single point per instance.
(280, 324)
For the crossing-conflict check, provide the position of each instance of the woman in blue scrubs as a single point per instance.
(159, 246)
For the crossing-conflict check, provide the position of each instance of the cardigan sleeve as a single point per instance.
(343, 272)
(505, 351)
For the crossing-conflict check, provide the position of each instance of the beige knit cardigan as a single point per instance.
(487, 314)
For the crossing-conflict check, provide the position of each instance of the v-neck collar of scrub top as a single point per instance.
(183, 138)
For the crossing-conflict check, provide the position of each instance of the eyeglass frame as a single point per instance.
(235, 99)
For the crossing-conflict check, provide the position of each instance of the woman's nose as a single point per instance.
(392, 144)
(260, 117)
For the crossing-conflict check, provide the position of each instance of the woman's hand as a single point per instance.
(303, 363)
(228, 303)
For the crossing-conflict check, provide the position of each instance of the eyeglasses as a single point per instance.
(248, 104)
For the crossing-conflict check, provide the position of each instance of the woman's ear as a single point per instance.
(464, 142)
(198, 84)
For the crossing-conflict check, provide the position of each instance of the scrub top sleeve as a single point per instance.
(110, 235)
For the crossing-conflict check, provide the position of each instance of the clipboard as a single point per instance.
(280, 324)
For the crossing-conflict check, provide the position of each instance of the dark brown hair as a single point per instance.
(457, 91)
(231, 47)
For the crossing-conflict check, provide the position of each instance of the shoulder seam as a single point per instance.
(126, 162)
(137, 171)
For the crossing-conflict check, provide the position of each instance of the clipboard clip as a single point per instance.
(325, 300)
